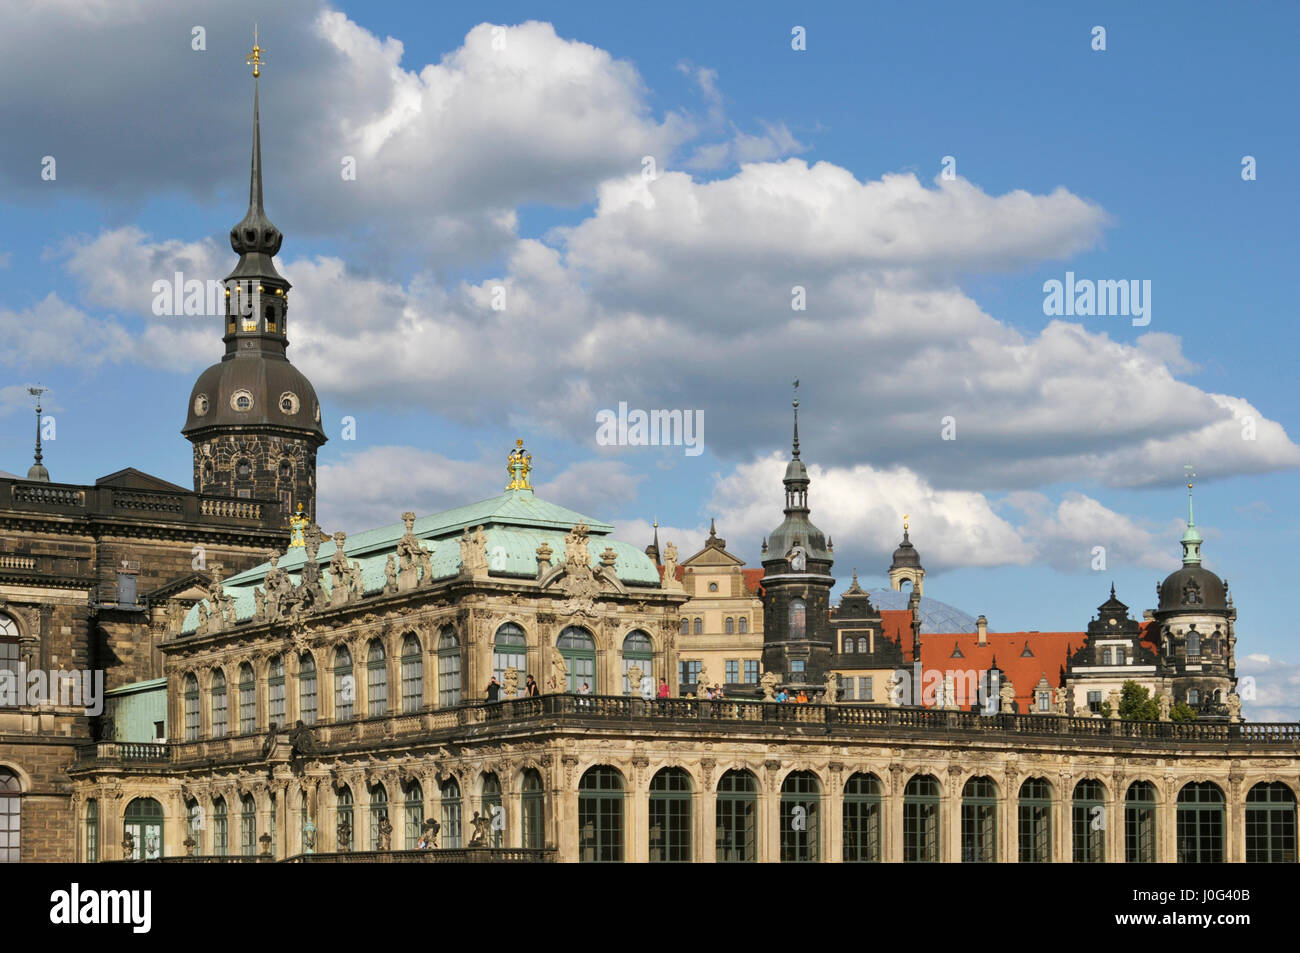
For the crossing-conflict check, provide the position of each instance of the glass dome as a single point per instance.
(936, 616)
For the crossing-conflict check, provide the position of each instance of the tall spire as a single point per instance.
(255, 235)
(37, 471)
(796, 418)
(653, 549)
(1191, 540)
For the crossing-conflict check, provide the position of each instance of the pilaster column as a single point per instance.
(1063, 832)
(1166, 823)
(1009, 816)
(1235, 817)
(771, 815)
(637, 808)
(950, 816)
(892, 811)
(833, 822)
(705, 830)
(564, 797)
(1114, 831)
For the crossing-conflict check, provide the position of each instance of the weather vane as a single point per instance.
(254, 58)
(1191, 472)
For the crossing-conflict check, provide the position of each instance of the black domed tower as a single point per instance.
(1197, 624)
(253, 417)
(797, 638)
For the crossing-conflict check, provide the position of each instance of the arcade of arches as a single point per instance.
(639, 804)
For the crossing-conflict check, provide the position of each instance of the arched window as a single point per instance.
(247, 700)
(493, 808)
(1200, 814)
(92, 831)
(144, 822)
(270, 823)
(862, 819)
(1270, 824)
(979, 821)
(862, 645)
(248, 826)
(307, 689)
(309, 834)
(376, 679)
(275, 692)
(699, 626)
(1193, 642)
(1035, 822)
(11, 817)
(344, 686)
(412, 675)
(800, 818)
(579, 651)
(413, 812)
(378, 811)
(509, 650)
(744, 625)
(730, 625)
(600, 815)
(1105, 656)
(737, 818)
(921, 820)
(450, 813)
(9, 657)
(195, 823)
(798, 618)
(1089, 822)
(686, 626)
(448, 669)
(533, 810)
(191, 708)
(1140, 823)
(670, 817)
(638, 650)
(344, 836)
(220, 828)
(1119, 655)
(218, 703)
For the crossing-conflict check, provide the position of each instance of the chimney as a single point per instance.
(982, 627)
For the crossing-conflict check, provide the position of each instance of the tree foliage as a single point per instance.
(1136, 703)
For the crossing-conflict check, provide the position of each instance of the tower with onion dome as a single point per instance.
(797, 557)
(253, 417)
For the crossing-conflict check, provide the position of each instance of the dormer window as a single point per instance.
(242, 401)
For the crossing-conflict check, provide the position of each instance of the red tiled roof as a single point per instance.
(1051, 651)
(897, 626)
(753, 580)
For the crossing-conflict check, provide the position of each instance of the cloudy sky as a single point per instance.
(555, 211)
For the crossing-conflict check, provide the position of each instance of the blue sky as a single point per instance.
(521, 167)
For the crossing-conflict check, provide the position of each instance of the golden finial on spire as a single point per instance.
(255, 58)
(904, 522)
(519, 466)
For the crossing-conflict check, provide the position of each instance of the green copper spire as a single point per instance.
(1191, 539)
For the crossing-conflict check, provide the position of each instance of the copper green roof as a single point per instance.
(515, 524)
